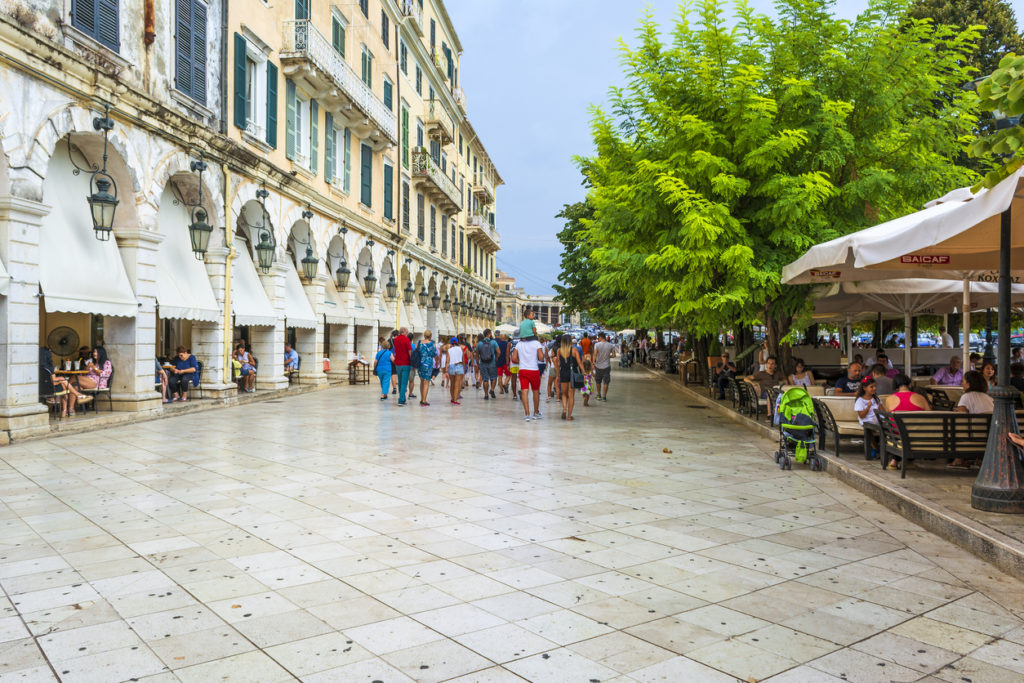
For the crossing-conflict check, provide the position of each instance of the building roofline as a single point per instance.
(443, 13)
(476, 136)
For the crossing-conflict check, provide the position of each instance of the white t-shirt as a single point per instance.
(454, 354)
(976, 402)
(862, 403)
(528, 355)
(947, 340)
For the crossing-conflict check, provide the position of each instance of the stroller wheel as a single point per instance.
(782, 463)
(777, 455)
(789, 463)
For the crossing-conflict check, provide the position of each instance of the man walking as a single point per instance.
(502, 363)
(402, 347)
(603, 351)
(486, 358)
(528, 355)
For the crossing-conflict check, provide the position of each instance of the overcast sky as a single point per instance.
(531, 69)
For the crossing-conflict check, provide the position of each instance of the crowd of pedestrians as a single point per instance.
(493, 366)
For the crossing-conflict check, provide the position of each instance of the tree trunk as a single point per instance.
(776, 327)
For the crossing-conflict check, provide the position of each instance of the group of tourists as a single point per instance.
(493, 364)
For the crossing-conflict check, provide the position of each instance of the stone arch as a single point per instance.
(336, 250)
(248, 226)
(364, 263)
(298, 236)
(245, 192)
(175, 169)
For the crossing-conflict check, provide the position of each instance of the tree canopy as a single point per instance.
(735, 146)
(999, 36)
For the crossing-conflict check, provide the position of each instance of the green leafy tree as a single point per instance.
(1003, 91)
(730, 151)
(1000, 35)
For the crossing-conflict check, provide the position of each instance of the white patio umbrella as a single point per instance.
(542, 328)
(506, 329)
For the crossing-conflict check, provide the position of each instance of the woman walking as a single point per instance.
(382, 366)
(428, 354)
(455, 368)
(568, 363)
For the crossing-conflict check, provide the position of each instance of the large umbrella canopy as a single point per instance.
(542, 328)
(506, 329)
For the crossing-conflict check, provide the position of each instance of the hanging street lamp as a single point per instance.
(343, 273)
(409, 292)
(102, 202)
(199, 230)
(310, 263)
(267, 244)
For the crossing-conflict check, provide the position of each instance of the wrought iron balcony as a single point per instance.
(435, 184)
(460, 97)
(439, 122)
(483, 188)
(481, 230)
(411, 10)
(308, 56)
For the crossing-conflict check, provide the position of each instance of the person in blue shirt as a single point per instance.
(291, 358)
(382, 366)
(185, 371)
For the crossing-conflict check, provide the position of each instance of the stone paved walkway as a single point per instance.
(330, 537)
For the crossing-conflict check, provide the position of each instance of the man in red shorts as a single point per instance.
(502, 362)
(528, 354)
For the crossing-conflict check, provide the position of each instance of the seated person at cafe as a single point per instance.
(247, 367)
(769, 377)
(848, 383)
(51, 383)
(950, 376)
(291, 358)
(974, 360)
(1017, 376)
(883, 382)
(726, 371)
(161, 379)
(882, 359)
(183, 375)
(99, 373)
(975, 398)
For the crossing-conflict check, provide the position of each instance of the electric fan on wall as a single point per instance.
(63, 341)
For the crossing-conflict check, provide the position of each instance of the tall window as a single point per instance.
(421, 217)
(385, 29)
(444, 235)
(302, 9)
(405, 205)
(405, 136)
(433, 226)
(366, 62)
(364, 5)
(255, 97)
(419, 133)
(419, 81)
(338, 27)
(190, 48)
(98, 19)
(389, 190)
(389, 98)
(403, 57)
(453, 240)
(366, 175)
(347, 155)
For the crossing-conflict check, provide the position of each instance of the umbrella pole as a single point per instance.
(965, 319)
(906, 340)
(1000, 483)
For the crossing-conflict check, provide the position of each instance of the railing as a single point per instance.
(460, 96)
(481, 221)
(303, 39)
(438, 115)
(440, 62)
(410, 9)
(424, 166)
(481, 181)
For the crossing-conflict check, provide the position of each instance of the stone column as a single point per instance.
(21, 413)
(211, 340)
(311, 345)
(340, 352)
(268, 342)
(131, 342)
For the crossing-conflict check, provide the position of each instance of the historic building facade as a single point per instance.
(300, 171)
(512, 301)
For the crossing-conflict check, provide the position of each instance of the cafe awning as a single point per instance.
(297, 311)
(5, 280)
(249, 301)
(182, 285)
(77, 272)
(334, 308)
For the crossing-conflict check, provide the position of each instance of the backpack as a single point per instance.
(414, 357)
(486, 351)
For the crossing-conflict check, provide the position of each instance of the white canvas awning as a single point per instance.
(362, 313)
(297, 311)
(249, 300)
(182, 285)
(5, 280)
(77, 272)
(334, 308)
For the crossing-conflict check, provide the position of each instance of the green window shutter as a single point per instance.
(388, 98)
(240, 103)
(302, 9)
(348, 161)
(108, 24)
(389, 191)
(329, 151)
(289, 118)
(362, 63)
(272, 105)
(405, 137)
(366, 175)
(314, 134)
(199, 51)
(338, 37)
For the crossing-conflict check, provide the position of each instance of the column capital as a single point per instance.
(27, 208)
(138, 238)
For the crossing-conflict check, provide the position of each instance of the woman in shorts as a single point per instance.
(455, 368)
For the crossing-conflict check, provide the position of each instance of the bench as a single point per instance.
(932, 435)
(836, 416)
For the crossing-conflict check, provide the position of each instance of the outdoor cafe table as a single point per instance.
(73, 375)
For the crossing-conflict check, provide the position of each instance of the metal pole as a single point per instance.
(965, 316)
(1000, 483)
(989, 357)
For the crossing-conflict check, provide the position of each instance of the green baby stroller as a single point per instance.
(797, 430)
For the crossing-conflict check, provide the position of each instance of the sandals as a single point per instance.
(570, 418)
(563, 415)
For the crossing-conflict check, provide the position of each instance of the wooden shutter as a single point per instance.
(183, 62)
(83, 16)
(199, 51)
(240, 81)
(271, 105)
(302, 9)
(389, 191)
(366, 175)
(338, 36)
(348, 160)
(405, 206)
(330, 154)
(289, 118)
(108, 23)
(388, 97)
(405, 137)
(314, 134)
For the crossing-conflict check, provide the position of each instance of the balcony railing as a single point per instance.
(440, 121)
(479, 224)
(302, 40)
(460, 97)
(411, 10)
(423, 166)
(483, 187)
(440, 62)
